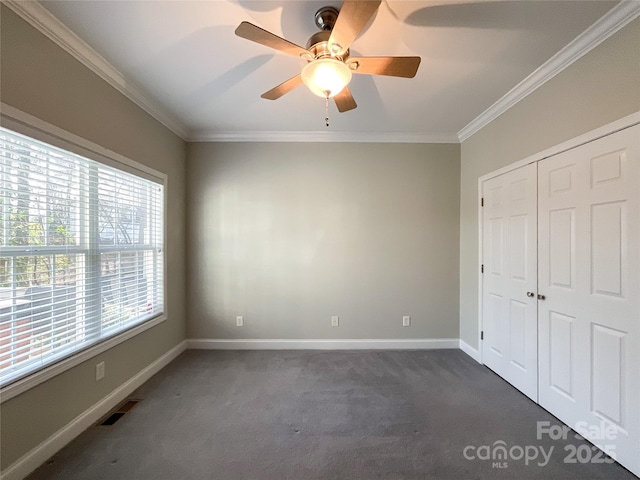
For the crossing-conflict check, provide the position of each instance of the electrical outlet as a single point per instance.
(99, 371)
(406, 321)
(239, 321)
(335, 321)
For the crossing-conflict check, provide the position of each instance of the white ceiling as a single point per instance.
(185, 59)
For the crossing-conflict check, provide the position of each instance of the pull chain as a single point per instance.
(326, 109)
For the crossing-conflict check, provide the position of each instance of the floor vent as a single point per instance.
(119, 412)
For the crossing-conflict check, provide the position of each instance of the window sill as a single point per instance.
(36, 378)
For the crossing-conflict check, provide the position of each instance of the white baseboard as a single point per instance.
(317, 344)
(469, 350)
(36, 457)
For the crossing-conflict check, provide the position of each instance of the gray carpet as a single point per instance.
(239, 415)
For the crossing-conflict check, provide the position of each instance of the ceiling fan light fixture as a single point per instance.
(326, 77)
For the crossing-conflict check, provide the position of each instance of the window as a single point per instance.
(81, 253)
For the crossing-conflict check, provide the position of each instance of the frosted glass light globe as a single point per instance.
(326, 77)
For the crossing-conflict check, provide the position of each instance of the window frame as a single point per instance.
(30, 126)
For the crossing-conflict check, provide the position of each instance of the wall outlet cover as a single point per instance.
(99, 371)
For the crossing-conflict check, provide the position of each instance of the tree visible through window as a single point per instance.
(80, 253)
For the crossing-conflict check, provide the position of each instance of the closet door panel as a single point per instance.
(589, 274)
(509, 256)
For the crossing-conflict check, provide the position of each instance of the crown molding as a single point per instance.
(616, 18)
(320, 137)
(46, 23)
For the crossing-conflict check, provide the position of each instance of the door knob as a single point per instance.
(531, 294)
(541, 297)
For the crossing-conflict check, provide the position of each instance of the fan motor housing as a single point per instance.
(318, 45)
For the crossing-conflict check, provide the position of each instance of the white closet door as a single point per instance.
(589, 272)
(509, 316)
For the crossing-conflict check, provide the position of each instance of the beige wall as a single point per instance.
(42, 80)
(601, 87)
(289, 234)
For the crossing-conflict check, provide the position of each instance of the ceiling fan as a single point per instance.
(328, 70)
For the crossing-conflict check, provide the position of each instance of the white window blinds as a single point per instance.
(81, 253)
